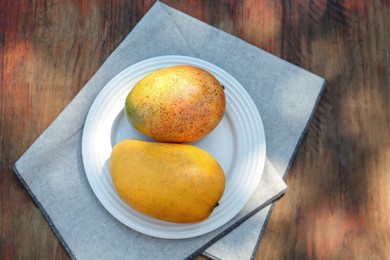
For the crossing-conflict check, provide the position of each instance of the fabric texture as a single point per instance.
(52, 169)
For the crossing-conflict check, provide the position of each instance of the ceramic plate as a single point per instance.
(238, 144)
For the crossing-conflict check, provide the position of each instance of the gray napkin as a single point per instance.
(52, 169)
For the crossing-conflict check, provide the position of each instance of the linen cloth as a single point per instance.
(52, 168)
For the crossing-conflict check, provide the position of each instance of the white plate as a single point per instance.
(238, 144)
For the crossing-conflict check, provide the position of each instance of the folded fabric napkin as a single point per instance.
(52, 168)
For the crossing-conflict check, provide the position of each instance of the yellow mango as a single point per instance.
(176, 104)
(178, 183)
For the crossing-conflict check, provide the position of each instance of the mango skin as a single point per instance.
(178, 183)
(176, 104)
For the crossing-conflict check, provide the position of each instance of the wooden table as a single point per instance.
(338, 202)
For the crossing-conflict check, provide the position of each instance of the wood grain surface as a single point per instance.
(338, 202)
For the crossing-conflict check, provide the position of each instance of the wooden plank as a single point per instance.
(337, 202)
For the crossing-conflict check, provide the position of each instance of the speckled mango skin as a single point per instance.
(176, 104)
(173, 182)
